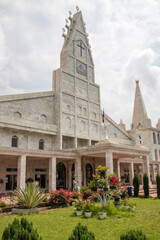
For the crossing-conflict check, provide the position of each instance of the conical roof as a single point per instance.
(139, 110)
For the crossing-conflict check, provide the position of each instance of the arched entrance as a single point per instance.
(61, 176)
(89, 172)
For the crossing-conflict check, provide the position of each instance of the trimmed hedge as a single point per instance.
(81, 233)
(146, 185)
(158, 186)
(133, 235)
(20, 230)
(136, 185)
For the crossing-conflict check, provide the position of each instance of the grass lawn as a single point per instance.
(57, 224)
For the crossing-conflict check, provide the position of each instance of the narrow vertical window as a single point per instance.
(14, 142)
(41, 144)
(154, 138)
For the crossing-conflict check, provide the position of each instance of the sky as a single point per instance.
(125, 40)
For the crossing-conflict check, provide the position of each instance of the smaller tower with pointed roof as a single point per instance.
(140, 118)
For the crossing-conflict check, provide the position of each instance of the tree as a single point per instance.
(136, 185)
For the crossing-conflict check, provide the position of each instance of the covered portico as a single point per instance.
(125, 161)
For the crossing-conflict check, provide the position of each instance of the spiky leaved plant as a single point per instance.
(30, 196)
(104, 200)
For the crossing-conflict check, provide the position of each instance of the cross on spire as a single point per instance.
(81, 48)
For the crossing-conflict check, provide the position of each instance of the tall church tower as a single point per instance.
(78, 113)
(140, 118)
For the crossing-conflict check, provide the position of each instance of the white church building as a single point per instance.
(57, 136)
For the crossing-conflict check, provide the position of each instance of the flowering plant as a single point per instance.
(78, 204)
(123, 191)
(113, 181)
(86, 192)
(2, 204)
(1, 180)
(115, 193)
(100, 192)
(95, 196)
(75, 195)
(101, 169)
(87, 206)
(60, 197)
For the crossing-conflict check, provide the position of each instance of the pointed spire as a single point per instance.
(122, 125)
(158, 124)
(140, 118)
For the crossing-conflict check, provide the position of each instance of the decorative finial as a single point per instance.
(77, 8)
(63, 34)
(66, 20)
(70, 16)
(137, 81)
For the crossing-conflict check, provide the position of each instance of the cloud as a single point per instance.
(125, 40)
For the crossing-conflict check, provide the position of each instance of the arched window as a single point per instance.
(154, 138)
(80, 110)
(158, 137)
(68, 108)
(156, 156)
(140, 139)
(61, 176)
(89, 173)
(82, 125)
(41, 144)
(68, 122)
(14, 142)
(84, 111)
(18, 114)
(43, 118)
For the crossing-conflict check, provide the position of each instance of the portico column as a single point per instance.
(118, 169)
(52, 173)
(78, 171)
(109, 161)
(142, 173)
(21, 171)
(158, 169)
(146, 168)
(131, 173)
(153, 173)
(70, 176)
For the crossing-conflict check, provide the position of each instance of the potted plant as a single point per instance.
(104, 200)
(87, 208)
(28, 198)
(86, 192)
(102, 170)
(102, 215)
(113, 181)
(78, 206)
(116, 196)
(123, 193)
(95, 197)
(93, 185)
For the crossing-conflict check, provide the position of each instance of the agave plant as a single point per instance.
(30, 196)
(104, 200)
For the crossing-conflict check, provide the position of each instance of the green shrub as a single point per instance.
(146, 185)
(133, 235)
(136, 185)
(20, 230)
(30, 196)
(2, 204)
(158, 185)
(81, 233)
